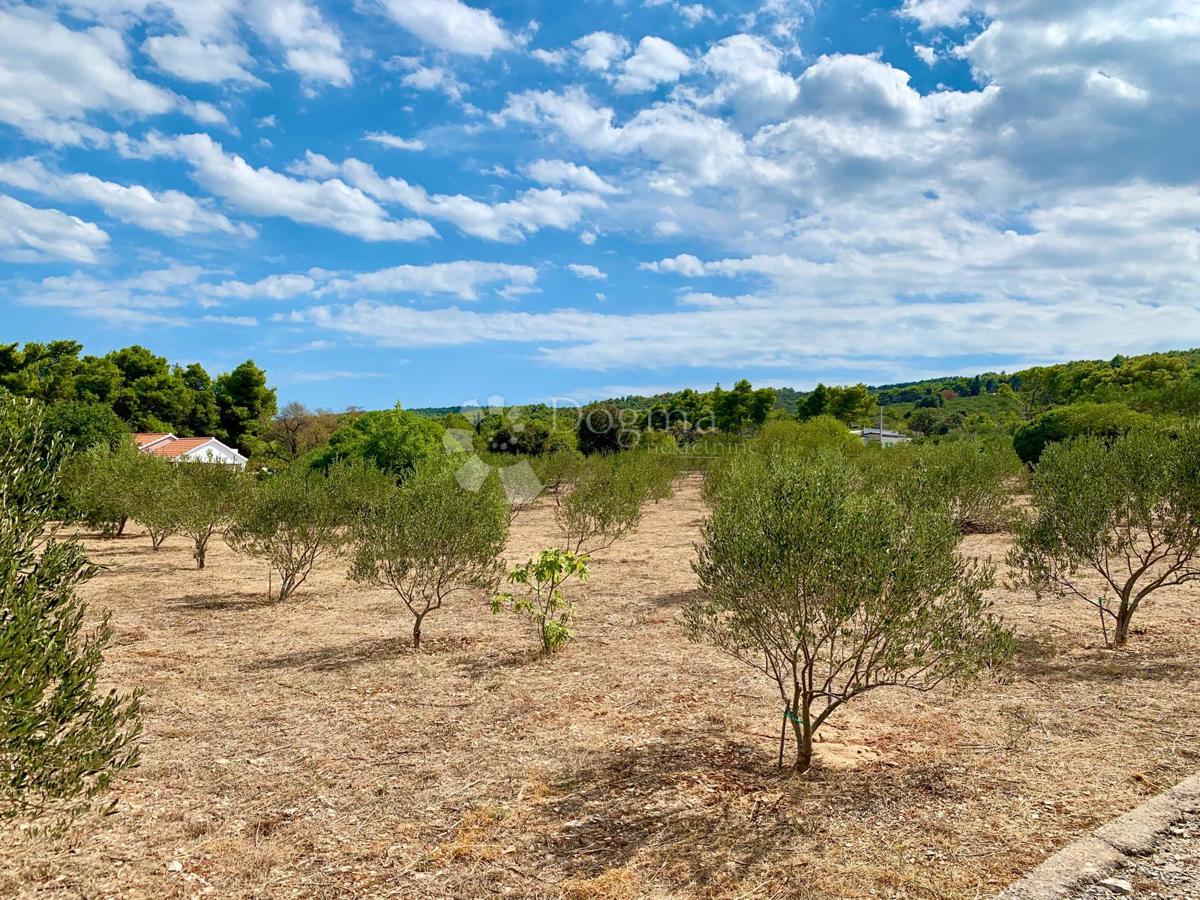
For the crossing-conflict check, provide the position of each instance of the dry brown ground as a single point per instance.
(304, 750)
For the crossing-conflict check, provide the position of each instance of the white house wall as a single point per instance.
(214, 454)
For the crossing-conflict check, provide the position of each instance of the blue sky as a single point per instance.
(436, 201)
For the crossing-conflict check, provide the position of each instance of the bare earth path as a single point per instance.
(304, 750)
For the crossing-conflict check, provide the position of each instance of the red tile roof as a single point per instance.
(175, 447)
(145, 438)
(179, 446)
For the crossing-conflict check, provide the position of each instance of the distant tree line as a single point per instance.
(97, 399)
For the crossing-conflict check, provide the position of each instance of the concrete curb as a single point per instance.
(1090, 858)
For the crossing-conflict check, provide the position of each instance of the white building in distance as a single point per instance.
(881, 436)
(192, 449)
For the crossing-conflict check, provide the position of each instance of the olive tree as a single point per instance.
(558, 470)
(605, 502)
(298, 516)
(97, 487)
(1125, 509)
(971, 478)
(62, 740)
(152, 497)
(430, 538)
(832, 587)
(206, 498)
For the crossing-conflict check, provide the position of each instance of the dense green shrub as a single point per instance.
(393, 441)
(431, 538)
(663, 442)
(832, 588)
(61, 740)
(606, 428)
(1101, 419)
(1124, 508)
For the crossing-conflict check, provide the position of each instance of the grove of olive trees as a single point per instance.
(832, 569)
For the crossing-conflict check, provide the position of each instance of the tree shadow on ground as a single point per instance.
(1099, 665)
(347, 656)
(161, 565)
(705, 808)
(242, 600)
(476, 667)
(675, 598)
(105, 540)
(135, 546)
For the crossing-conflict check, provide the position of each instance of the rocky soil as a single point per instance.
(1170, 872)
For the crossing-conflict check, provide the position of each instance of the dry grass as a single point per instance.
(305, 750)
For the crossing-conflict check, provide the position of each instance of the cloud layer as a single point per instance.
(999, 179)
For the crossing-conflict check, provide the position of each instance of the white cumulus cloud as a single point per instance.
(655, 62)
(393, 141)
(328, 203)
(600, 49)
(583, 270)
(32, 235)
(450, 25)
(558, 172)
(167, 212)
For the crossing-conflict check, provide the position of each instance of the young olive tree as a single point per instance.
(543, 600)
(659, 468)
(1126, 509)
(599, 503)
(558, 470)
(206, 499)
(431, 538)
(62, 740)
(604, 503)
(97, 487)
(152, 497)
(970, 478)
(298, 516)
(832, 587)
